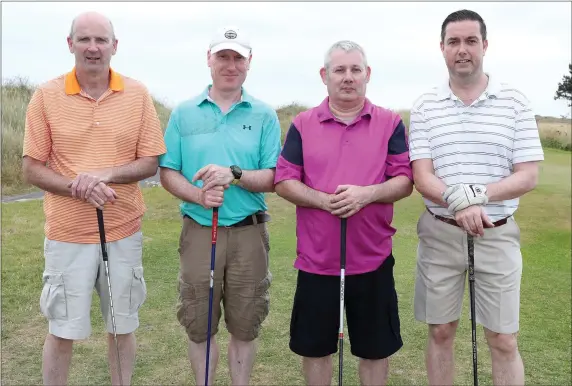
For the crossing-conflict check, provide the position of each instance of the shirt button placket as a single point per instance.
(95, 120)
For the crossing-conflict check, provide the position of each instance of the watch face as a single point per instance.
(236, 171)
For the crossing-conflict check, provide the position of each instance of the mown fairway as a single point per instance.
(544, 219)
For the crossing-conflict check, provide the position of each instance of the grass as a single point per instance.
(545, 337)
(16, 93)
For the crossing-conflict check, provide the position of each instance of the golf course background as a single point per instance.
(544, 218)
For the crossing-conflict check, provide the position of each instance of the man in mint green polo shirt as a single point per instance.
(222, 149)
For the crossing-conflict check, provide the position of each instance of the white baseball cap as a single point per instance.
(231, 38)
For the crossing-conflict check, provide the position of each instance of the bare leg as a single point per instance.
(127, 344)
(507, 365)
(56, 359)
(373, 372)
(317, 371)
(240, 360)
(439, 358)
(198, 358)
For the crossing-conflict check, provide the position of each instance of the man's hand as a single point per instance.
(471, 219)
(214, 175)
(461, 196)
(91, 188)
(84, 183)
(350, 199)
(211, 198)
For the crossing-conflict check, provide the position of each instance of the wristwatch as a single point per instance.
(236, 172)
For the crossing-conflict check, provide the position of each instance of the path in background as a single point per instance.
(151, 181)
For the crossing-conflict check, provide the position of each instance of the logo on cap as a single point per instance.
(230, 34)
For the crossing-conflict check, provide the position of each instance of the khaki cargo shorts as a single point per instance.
(241, 279)
(442, 263)
(71, 273)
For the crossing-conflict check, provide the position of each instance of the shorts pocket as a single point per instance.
(262, 299)
(53, 304)
(192, 305)
(138, 291)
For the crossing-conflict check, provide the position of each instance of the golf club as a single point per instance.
(342, 290)
(471, 249)
(105, 261)
(211, 289)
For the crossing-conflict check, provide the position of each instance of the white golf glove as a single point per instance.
(461, 196)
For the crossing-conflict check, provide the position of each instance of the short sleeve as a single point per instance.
(270, 142)
(418, 136)
(291, 161)
(397, 162)
(527, 145)
(172, 157)
(151, 136)
(37, 135)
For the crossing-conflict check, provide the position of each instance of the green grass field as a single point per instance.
(544, 218)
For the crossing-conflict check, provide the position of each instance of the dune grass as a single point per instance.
(16, 93)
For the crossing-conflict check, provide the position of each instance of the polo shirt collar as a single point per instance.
(492, 90)
(72, 85)
(324, 112)
(204, 96)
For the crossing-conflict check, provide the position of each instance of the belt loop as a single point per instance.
(254, 219)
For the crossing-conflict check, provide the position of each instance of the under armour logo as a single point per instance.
(244, 127)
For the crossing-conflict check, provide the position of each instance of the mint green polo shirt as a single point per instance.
(198, 134)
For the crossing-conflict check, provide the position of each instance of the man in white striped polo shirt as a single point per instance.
(474, 147)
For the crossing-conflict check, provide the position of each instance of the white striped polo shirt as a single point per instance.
(479, 143)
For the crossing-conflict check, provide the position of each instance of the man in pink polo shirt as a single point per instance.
(346, 158)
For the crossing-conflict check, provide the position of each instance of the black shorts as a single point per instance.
(371, 313)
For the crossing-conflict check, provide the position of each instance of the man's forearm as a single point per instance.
(176, 184)
(257, 180)
(46, 179)
(513, 186)
(135, 171)
(430, 187)
(300, 194)
(391, 190)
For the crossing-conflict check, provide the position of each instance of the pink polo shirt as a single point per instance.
(323, 152)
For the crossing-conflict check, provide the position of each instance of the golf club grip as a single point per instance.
(344, 227)
(214, 233)
(101, 233)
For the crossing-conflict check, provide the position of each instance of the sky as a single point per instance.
(164, 45)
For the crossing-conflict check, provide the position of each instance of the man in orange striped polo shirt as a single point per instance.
(91, 136)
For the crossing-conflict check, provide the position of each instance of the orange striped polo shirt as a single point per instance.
(74, 133)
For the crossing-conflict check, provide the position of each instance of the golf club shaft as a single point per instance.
(106, 262)
(211, 290)
(471, 249)
(342, 292)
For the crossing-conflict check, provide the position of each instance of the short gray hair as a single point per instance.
(346, 45)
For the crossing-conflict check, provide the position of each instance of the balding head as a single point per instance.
(92, 41)
(91, 18)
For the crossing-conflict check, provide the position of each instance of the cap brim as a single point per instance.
(231, 46)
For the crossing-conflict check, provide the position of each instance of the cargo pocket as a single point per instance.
(262, 300)
(138, 292)
(186, 293)
(53, 303)
(192, 308)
